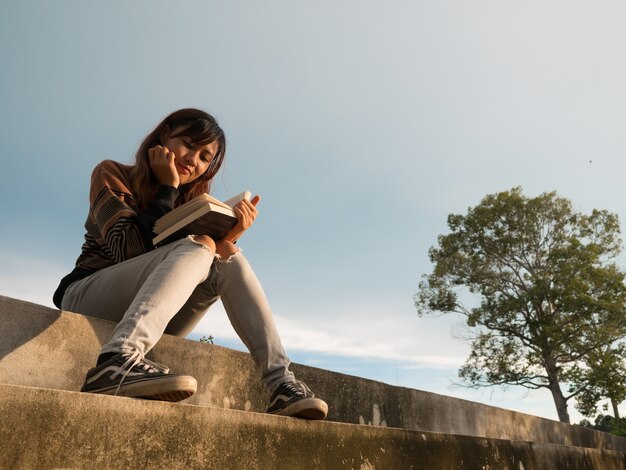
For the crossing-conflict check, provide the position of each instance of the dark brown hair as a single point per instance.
(202, 129)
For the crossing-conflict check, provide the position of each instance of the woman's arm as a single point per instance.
(120, 230)
(162, 204)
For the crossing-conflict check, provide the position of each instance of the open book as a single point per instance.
(203, 215)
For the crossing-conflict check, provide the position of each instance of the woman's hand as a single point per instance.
(163, 167)
(246, 213)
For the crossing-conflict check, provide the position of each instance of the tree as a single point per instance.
(607, 423)
(546, 287)
(604, 376)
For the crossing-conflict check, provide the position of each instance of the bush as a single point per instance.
(607, 423)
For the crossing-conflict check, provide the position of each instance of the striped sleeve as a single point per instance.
(112, 221)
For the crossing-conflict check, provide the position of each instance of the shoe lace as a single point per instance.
(137, 359)
(299, 388)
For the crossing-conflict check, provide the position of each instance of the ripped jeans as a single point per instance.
(169, 289)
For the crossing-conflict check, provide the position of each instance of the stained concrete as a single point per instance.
(45, 429)
(32, 335)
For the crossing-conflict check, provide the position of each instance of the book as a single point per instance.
(203, 215)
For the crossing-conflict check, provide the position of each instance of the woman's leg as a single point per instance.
(248, 310)
(201, 299)
(250, 314)
(142, 294)
(251, 317)
(149, 290)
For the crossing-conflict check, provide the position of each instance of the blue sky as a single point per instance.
(362, 125)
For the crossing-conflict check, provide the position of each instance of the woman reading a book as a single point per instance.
(121, 276)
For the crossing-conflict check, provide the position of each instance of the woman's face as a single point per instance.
(191, 160)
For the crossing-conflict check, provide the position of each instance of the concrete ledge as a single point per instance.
(66, 344)
(45, 429)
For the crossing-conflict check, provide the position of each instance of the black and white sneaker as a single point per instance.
(131, 375)
(296, 399)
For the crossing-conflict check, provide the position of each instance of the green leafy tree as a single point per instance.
(538, 285)
(606, 423)
(619, 427)
(603, 377)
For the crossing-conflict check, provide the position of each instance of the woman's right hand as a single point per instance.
(246, 213)
(162, 165)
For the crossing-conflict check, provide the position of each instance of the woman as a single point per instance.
(121, 276)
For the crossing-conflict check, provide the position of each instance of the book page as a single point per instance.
(232, 202)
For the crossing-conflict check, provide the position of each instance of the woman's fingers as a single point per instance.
(163, 166)
(155, 154)
(250, 211)
(159, 151)
(245, 215)
(246, 212)
(251, 205)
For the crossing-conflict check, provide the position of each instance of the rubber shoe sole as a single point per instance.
(307, 408)
(167, 388)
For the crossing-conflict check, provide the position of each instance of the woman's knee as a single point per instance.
(206, 241)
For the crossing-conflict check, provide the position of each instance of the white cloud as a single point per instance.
(359, 331)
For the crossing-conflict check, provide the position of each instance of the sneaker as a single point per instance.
(130, 375)
(296, 399)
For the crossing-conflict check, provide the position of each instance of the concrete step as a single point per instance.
(44, 347)
(46, 429)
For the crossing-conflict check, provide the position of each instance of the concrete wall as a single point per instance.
(43, 347)
(52, 429)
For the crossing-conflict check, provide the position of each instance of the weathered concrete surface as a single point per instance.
(45, 429)
(32, 335)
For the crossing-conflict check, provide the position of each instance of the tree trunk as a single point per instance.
(615, 410)
(555, 388)
(559, 402)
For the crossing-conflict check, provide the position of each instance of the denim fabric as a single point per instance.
(169, 290)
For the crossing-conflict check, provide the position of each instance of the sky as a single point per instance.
(361, 124)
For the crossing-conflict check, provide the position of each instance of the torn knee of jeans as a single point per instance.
(193, 239)
(229, 259)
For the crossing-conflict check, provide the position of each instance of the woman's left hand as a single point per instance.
(246, 213)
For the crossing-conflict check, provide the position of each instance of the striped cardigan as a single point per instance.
(116, 230)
